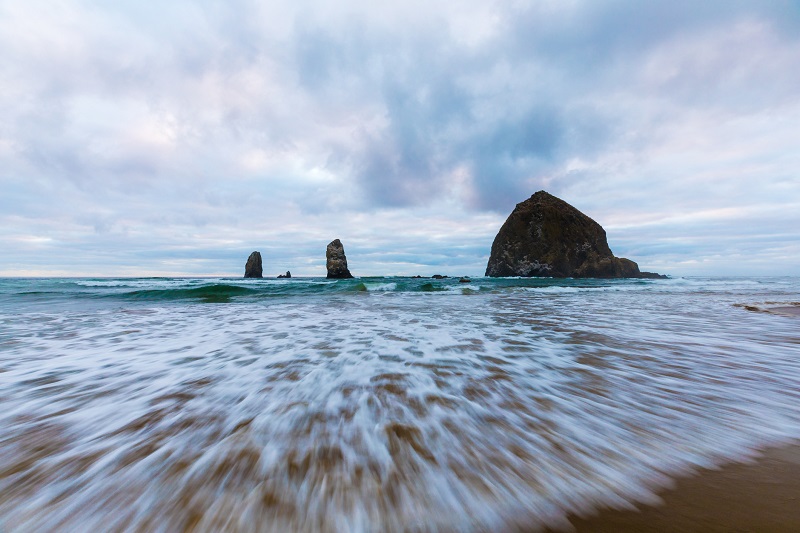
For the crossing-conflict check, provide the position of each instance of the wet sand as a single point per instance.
(793, 310)
(760, 496)
(784, 310)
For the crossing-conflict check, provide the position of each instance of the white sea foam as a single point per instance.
(380, 287)
(385, 411)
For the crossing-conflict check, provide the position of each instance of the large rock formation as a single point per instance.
(336, 261)
(545, 236)
(253, 267)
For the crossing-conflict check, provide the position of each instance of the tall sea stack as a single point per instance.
(253, 267)
(546, 237)
(336, 261)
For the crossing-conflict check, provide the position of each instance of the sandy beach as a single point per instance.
(758, 496)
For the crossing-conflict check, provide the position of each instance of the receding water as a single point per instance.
(377, 404)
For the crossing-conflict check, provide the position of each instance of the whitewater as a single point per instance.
(379, 404)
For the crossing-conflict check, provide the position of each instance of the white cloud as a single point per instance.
(177, 138)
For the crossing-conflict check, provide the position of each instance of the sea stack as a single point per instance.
(253, 267)
(546, 237)
(336, 261)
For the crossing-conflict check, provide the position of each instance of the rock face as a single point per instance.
(253, 267)
(336, 261)
(546, 237)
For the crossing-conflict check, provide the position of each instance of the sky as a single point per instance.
(174, 138)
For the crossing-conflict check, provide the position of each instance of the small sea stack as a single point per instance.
(546, 237)
(336, 261)
(288, 275)
(253, 268)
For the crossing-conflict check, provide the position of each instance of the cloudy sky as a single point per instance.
(169, 138)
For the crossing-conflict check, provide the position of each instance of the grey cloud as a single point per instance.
(239, 119)
(596, 47)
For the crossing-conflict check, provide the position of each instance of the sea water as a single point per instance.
(378, 404)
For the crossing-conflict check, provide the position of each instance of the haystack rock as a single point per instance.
(336, 261)
(253, 267)
(546, 237)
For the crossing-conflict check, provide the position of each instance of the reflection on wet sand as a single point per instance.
(761, 495)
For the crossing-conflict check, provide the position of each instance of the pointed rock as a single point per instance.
(546, 237)
(253, 267)
(336, 261)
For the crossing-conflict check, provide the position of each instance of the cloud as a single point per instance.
(176, 138)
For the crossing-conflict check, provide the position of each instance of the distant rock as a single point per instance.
(438, 276)
(287, 275)
(416, 277)
(546, 237)
(465, 280)
(652, 275)
(253, 267)
(336, 261)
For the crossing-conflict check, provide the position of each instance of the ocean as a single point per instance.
(378, 404)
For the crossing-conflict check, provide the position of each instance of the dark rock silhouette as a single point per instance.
(438, 276)
(253, 267)
(336, 261)
(287, 275)
(652, 275)
(465, 280)
(546, 237)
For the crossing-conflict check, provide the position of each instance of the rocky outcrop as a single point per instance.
(546, 237)
(253, 267)
(652, 275)
(336, 261)
(288, 275)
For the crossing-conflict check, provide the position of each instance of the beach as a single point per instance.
(761, 495)
(396, 404)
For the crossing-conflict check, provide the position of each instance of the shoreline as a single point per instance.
(762, 494)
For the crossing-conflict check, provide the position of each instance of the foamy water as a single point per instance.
(381, 404)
